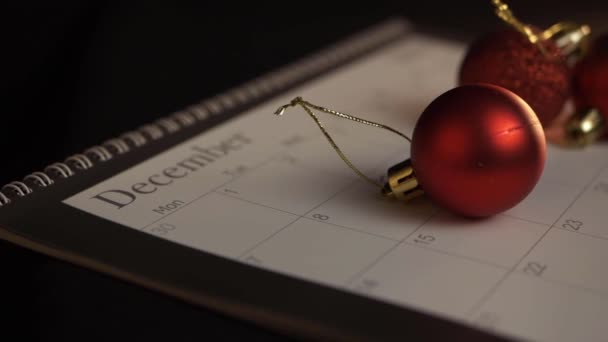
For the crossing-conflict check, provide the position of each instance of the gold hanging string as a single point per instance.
(571, 38)
(558, 28)
(307, 107)
(504, 12)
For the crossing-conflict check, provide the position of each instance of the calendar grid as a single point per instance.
(524, 219)
(582, 233)
(264, 162)
(350, 283)
(361, 273)
(585, 188)
(224, 193)
(300, 212)
(289, 224)
(308, 218)
(398, 242)
(353, 229)
(403, 241)
(574, 287)
(491, 292)
(456, 255)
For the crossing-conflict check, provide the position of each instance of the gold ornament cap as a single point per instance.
(572, 39)
(402, 182)
(585, 127)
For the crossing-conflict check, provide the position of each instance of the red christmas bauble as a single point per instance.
(478, 150)
(507, 58)
(590, 78)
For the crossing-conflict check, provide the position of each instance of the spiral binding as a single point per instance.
(247, 93)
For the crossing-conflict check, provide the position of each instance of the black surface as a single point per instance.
(79, 73)
(76, 73)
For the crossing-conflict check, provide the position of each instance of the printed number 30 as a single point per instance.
(163, 229)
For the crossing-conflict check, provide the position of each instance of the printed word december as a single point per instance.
(203, 156)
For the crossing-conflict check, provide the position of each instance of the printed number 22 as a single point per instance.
(535, 269)
(572, 224)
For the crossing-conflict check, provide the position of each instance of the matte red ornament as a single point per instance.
(507, 58)
(590, 78)
(478, 150)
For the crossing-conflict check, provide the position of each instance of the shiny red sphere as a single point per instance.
(478, 150)
(506, 58)
(590, 78)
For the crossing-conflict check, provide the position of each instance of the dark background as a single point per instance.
(74, 74)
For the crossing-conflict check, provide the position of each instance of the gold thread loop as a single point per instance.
(307, 107)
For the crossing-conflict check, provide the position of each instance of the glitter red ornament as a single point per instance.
(591, 76)
(478, 150)
(590, 89)
(508, 59)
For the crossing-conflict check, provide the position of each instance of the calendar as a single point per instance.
(270, 192)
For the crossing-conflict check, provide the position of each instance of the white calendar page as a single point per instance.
(269, 191)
